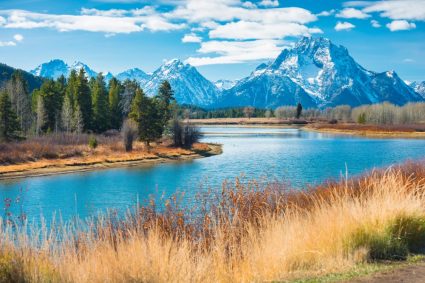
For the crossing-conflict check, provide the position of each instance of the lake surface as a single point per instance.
(290, 155)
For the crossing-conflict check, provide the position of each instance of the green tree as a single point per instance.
(164, 101)
(100, 105)
(299, 110)
(52, 101)
(115, 89)
(82, 99)
(145, 114)
(9, 125)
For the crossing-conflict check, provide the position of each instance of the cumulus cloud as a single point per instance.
(352, 13)
(191, 38)
(326, 13)
(269, 3)
(18, 37)
(400, 25)
(340, 26)
(231, 52)
(393, 9)
(92, 20)
(375, 23)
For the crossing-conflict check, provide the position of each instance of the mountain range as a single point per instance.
(315, 72)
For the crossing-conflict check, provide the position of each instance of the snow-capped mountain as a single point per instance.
(189, 86)
(56, 68)
(419, 87)
(53, 69)
(224, 84)
(317, 72)
(134, 74)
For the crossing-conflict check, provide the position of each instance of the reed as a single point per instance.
(248, 232)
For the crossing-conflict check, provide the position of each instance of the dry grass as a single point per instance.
(414, 130)
(67, 152)
(248, 233)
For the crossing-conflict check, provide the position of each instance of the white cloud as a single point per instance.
(92, 20)
(7, 43)
(231, 52)
(249, 5)
(400, 25)
(344, 26)
(269, 3)
(394, 9)
(2, 21)
(18, 37)
(375, 23)
(326, 13)
(256, 30)
(191, 38)
(351, 13)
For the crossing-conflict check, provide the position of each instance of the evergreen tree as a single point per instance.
(127, 96)
(100, 105)
(72, 88)
(52, 104)
(9, 124)
(145, 114)
(82, 99)
(115, 89)
(164, 100)
(299, 110)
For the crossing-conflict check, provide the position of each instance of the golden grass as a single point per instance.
(47, 155)
(248, 233)
(414, 131)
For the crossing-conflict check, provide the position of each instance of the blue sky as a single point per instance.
(224, 39)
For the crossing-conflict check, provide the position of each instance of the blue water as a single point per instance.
(290, 155)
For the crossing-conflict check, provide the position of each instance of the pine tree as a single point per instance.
(299, 110)
(100, 105)
(164, 99)
(82, 99)
(144, 113)
(67, 114)
(52, 103)
(127, 96)
(115, 89)
(41, 115)
(9, 125)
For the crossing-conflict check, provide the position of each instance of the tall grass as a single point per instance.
(247, 233)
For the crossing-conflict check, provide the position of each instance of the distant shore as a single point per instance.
(47, 167)
(408, 131)
(247, 121)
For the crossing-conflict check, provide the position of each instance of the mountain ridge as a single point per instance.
(315, 72)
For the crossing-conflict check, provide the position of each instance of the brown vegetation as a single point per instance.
(247, 233)
(410, 130)
(69, 152)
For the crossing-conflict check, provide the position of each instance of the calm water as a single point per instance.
(289, 155)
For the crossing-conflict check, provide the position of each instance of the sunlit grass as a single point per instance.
(248, 233)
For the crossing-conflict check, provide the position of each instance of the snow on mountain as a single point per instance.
(53, 69)
(419, 87)
(225, 84)
(189, 86)
(317, 72)
(77, 65)
(134, 74)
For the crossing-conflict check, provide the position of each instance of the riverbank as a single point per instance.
(247, 121)
(246, 232)
(102, 158)
(395, 131)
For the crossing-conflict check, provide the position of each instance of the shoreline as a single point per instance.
(367, 133)
(51, 169)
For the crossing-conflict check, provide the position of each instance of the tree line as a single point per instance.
(77, 104)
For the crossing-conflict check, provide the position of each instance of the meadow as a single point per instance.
(247, 232)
